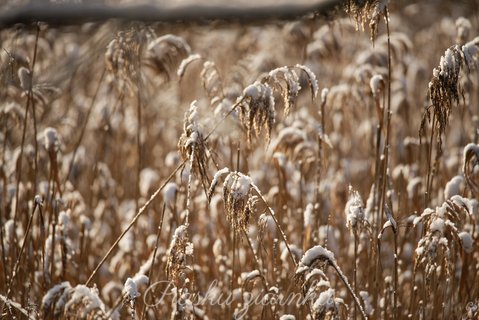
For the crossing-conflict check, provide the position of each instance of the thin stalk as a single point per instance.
(138, 134)
(133, 221)
(4, 258)
(319, 168)
(388, 119)
(232, 282)
(377, 176)
(281, 232)
(54, 224)
(355, 267)
(22, 145)
(41, 222)
(150, 272)
(301, 206)
(396, 277)
(81, 245)
(348, 286)
(429, 162)
(188, 187)
(83, 129)
(30, 94)
(255, 255)
(20, 160)
(22, 249)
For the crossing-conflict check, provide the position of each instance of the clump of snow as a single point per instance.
(309, 216)
(470, 148)
(324, 95)
(325, 301)
(215, 180)
(148, 179)
(189, 249)
(466, 241)
(169, 193)
(354, 209)
(130, 289)
(85, 222)
(250, 275)
(51, 139)
(377, 85)
(87, 296)
(182, 68)
(453, 187)
(156, 46)
(316, 252)
(256, 90)
(471, 50)
(239, 184)
(64, 219)
(53, 292)
(413, 187)
(437, 225)
(368, 308)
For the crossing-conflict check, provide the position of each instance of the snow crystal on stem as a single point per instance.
(50, 296)
(311, 77)
(82, 293)
(130, 289)
(354, 209)
(316, 252)
(251, 275)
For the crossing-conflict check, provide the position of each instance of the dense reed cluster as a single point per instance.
(326, 168)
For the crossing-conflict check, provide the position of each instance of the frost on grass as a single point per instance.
(313, 255)
(354, 210)
(256, 109)
(180, 248)
(470, 162)
(311, 79)
(51, 141)
(78, 302)
(215, 180)
(184, 64)
(165, 53)
(257, 103)
(446, 235)
(130, 288)
(453, 187)
(192, 145)
(445, 86)
(53, 294)
(248, 276)
(324, 304)
(169, 194)
(377, 85)
(149, 178)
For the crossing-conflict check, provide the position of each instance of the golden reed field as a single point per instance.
(321, 167)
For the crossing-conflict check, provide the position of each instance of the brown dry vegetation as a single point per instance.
(323, 170)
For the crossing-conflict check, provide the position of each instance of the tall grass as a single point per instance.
(278, 171)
